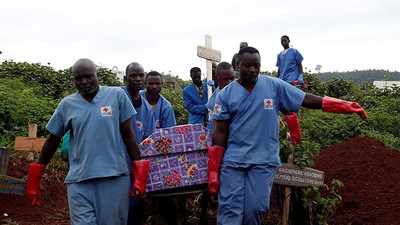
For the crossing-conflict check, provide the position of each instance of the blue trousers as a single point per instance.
(136, 208)
(99, 201)
(244, 192)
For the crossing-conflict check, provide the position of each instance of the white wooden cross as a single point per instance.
(210, 55)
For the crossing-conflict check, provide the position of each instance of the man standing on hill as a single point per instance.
(99, 120)
(247, 115)
(289, 64)
(162, 110)
(195, 97)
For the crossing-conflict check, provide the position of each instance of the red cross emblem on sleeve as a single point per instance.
(217, 109)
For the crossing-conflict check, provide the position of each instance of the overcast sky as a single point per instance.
(340, 35)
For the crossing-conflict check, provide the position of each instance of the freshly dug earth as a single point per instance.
(16, 209)
(370, 173)
(368, 169)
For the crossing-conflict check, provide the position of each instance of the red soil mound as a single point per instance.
(370, 173)
(53, 198)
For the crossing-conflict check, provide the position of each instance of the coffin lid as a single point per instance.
(177, 139)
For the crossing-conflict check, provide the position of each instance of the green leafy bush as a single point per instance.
(339, 87)
(19, 107)
(43, 80)
(321, 207)
(176, 100)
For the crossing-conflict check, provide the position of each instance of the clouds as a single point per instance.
(163, 35)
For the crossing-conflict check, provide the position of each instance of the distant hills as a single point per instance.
(361, 76)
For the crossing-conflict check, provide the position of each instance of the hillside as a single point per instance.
(360, 76)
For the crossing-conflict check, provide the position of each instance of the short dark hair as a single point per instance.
(154, 74)
(223, 66)
(132, 64)
(195, 70)
(248, 49)
(285, 36)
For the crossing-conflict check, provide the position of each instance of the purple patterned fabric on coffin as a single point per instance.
(178, 156)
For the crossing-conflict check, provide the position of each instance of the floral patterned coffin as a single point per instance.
(178, 156)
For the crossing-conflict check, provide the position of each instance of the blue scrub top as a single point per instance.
(288, 65)
(254, 127)
(96, 147)
(210, 106)
(164, 114)
(143, 123)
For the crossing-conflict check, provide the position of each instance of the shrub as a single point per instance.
(21, 106)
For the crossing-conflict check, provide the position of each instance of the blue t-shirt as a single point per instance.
(254, 118)
(96, 147)
(163, 112)
(288, 65)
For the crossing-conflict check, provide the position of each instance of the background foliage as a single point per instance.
(31, 92)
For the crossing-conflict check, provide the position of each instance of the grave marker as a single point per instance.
(5, 155)
(206, 52)
(294, 176)
(291, 175)
(30, 143)
(9, 185)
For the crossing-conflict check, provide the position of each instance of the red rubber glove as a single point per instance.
(140, 169)
(335, 105)
(215, 154)
(296, 83)
(294, 128)
(35, 174)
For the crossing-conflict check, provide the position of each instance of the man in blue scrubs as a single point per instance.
(247, 115)
(162, 110)
(195, 97)
(165, 117)
(289, 64)
(99, 120)
(224, 74)
(143, 125)
(144, 119)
